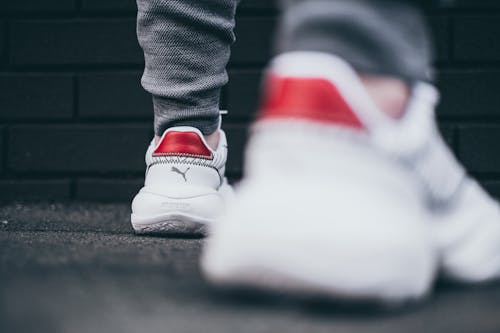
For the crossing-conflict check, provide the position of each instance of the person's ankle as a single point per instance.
(211, 139)
(390, 94)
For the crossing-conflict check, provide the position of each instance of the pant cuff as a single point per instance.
(168, 114)
(384, 37)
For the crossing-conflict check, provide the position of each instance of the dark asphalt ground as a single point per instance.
(78, 268)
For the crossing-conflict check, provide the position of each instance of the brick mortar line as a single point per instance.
(80, 67)
(237, 121)
(450, 35)
(6, 51)
(76, 98)
(99, 175)
(116, 122)
(4, 148)
(72, 188)
(94, 175)
(250, 67)
(61, 178)
(81, 13)
(67, 175)
(108, 14)
(136, 177)
(456, 140)
(4, 36)
(472, 121)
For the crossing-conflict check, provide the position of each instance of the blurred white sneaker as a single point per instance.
(185, 190)
(341, 200)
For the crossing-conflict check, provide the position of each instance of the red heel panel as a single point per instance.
(306, 98)
(184, 144)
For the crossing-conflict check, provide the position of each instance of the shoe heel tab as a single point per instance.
(309, 98)
(183, 141)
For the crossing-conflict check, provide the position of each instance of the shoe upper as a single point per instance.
(344, 130)
(324, 89)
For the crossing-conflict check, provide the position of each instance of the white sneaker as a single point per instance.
(185, 190)
(343, 201)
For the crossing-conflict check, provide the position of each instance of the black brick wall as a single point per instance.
(74, 121)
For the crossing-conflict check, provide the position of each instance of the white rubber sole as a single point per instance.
(338, 242)
(154, 213)
(170, 223)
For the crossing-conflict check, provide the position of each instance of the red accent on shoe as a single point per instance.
(306, 98)
(182, 143)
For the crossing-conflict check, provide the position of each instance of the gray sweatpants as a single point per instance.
(187, 43)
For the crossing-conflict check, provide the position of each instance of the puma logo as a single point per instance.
(183, 174)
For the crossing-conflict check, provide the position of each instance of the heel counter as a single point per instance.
(182, 143)
(315, 99)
